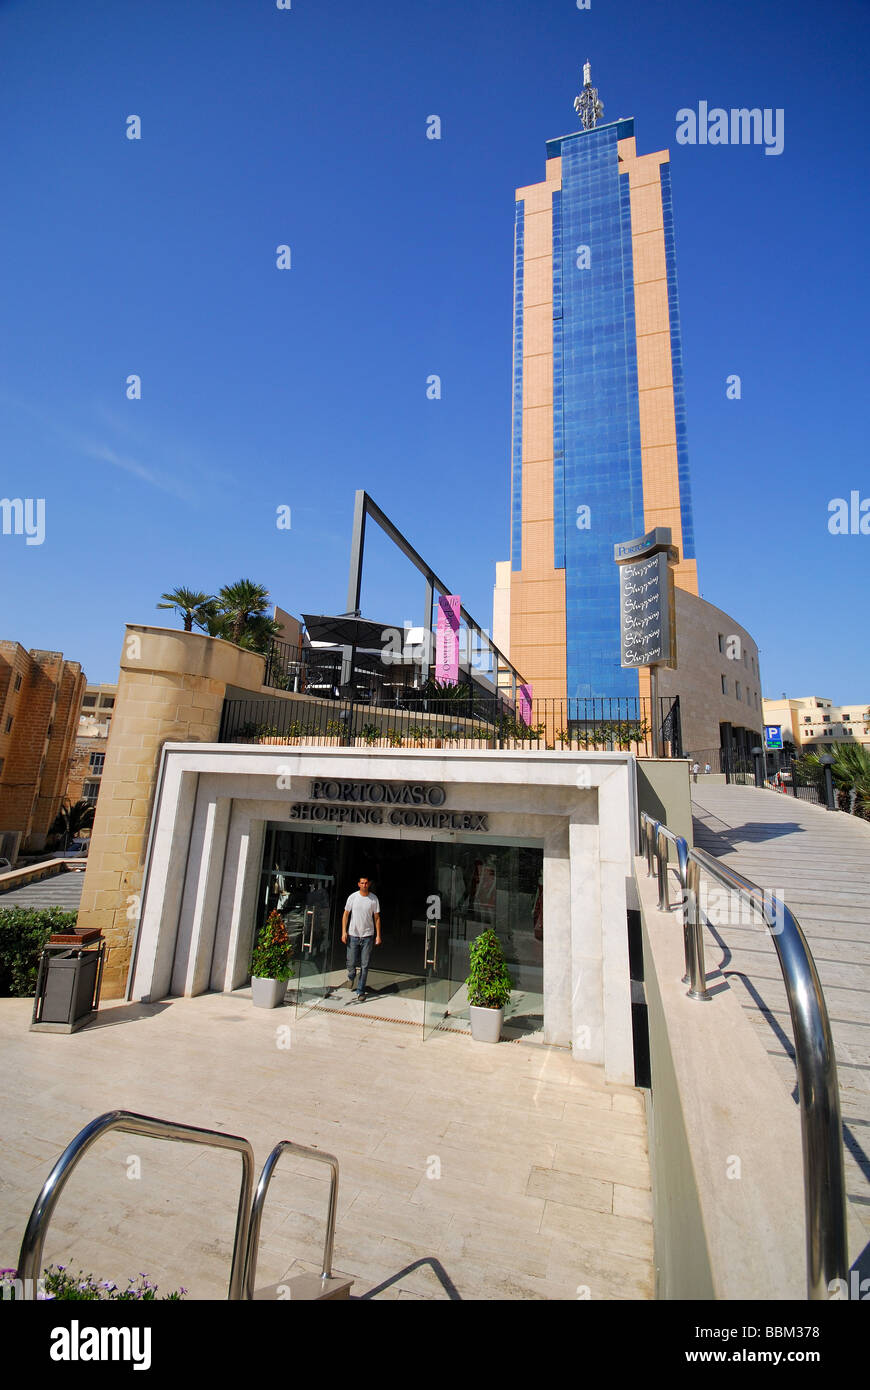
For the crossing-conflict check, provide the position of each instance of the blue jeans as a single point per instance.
(359, 952)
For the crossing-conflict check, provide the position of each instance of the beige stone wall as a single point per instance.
(700, 668)
(537, 591)
(658, 429)
(170, 690)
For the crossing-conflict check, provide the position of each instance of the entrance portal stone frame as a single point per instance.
(204, 857)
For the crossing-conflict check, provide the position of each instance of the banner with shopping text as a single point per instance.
(447, 639)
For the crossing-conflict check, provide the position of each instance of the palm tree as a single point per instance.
(192, 605)
(850, 770)
(241, 615)
(71, 818)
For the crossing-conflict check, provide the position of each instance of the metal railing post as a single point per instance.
(253, 1238)
(693, 934)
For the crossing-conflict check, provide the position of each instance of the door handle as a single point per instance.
(431, 927)
(308, 918)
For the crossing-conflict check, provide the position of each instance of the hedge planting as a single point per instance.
(23, 933)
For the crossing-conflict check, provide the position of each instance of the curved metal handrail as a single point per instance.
(818, 1087)
(815, 1061)
(253, 1239)
(33, 1241)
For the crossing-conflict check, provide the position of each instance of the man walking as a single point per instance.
(360, 931)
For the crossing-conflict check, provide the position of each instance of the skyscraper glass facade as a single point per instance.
(595, 405)
(594, 254)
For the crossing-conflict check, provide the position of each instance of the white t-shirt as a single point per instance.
(362, 914)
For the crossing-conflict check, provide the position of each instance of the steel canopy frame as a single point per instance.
(365, 506)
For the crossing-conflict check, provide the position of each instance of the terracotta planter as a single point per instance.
(267, 994)
(486, 1023)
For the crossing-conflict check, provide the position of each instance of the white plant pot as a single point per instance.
(267, 994)
(486, 1023)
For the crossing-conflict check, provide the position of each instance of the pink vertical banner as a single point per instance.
(447, 639)
(525, 694)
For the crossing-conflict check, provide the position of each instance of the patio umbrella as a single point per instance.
(346, 630)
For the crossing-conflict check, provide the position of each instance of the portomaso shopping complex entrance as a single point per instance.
(435, 896)
(537, 845)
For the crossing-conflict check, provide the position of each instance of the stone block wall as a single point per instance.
(38, 722)
(170, 690)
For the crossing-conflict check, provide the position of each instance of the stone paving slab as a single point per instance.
(544, 1174)
(820, 861)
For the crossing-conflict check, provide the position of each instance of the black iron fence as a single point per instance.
(776, 771)
(468, 720)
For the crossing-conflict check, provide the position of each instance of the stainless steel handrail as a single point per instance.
(682, 848)
(815, 1061)
(818, 1087)
(656, 835)
(253, 1241)
(33, 1241)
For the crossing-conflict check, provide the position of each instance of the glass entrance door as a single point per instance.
(442, 992)
(308, 915)
(299, 883)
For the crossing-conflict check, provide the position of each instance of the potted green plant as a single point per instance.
(489, 987)
(270, 963)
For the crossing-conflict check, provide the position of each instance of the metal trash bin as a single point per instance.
(68, 983)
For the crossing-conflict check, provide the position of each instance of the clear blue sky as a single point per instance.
(262, 387)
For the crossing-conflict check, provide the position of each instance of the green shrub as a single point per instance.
(272, 953)
(489, 984)
(23, 933)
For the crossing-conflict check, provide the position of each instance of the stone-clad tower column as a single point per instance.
(171, 689)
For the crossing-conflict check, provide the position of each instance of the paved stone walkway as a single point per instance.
(467, 1171)
(61, 890)
(819, 861)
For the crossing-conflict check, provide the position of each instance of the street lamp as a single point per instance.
(827, 762)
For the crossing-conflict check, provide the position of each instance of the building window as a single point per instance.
(8, 723)
(721, 642)
(808, 719)
(737, 690)
(18, 682)
(846, 718)
(90, 792)
(107, 702)
(724, 685)
(826, 719)
(89, 702)
(97, 760)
